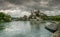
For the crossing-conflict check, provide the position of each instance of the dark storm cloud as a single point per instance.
(54, 3)
(21, 1)
(1, 1)
(36, 3)
(32, 4)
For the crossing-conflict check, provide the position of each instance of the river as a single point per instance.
(24, 29)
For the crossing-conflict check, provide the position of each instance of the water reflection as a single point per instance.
(25, 29)
(35, 28)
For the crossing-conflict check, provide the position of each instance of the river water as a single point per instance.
(24, 29)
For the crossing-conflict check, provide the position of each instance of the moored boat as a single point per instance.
(52, 27)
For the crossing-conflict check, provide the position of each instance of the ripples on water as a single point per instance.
(24, 29)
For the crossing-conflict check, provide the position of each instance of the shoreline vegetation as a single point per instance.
(34, 15)
(37, 15)
(4, 17)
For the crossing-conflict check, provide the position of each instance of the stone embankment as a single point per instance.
(56, 34)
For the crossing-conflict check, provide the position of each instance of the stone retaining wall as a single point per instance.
(56, 34)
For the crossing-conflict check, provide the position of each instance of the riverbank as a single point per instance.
(57, 33)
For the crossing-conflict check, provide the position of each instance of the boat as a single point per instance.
(52, 27)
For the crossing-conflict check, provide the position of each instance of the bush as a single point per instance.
(4, 17)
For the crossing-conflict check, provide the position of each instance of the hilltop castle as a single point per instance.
(37, 15)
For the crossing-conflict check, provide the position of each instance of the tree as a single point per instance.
(4, 17)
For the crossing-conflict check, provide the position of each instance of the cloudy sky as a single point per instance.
(22, 7)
